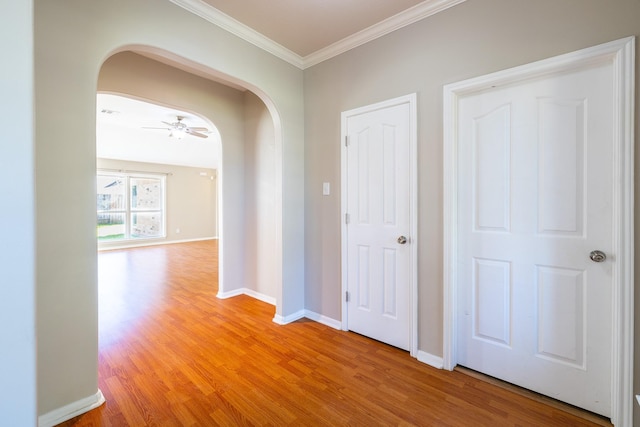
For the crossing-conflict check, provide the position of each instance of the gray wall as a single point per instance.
(190, 200)
(468, 40)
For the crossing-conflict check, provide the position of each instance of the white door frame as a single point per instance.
(620, 53)
(410, 99)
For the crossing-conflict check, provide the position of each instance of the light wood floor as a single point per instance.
(172, 354)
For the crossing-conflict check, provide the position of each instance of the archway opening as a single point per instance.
(249, 189)
(157, 171)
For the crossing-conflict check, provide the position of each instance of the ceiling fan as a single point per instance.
(178, 129)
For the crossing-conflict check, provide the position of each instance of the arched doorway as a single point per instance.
(161, 80)
(136, 147)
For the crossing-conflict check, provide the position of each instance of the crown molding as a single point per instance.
(224, 21)
(400, 20)
(414, 14)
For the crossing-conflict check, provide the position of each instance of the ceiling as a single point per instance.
(120, 134)
(306, 26)
(301, 32)
(307, 32)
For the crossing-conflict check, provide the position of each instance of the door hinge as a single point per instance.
(346, 296)
(347, 218)
(346, 140)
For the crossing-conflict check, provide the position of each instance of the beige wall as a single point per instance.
(468, 40)
(260, 229)
(72, 40)
(190, 199)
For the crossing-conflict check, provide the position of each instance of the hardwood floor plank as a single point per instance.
(173, 354)
(132, 411)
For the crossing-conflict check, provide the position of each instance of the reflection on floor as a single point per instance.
(173, 354)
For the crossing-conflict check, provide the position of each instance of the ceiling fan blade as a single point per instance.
(197, 129)
(168, 124)
(146, 127)
(198, 134)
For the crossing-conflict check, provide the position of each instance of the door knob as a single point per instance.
(597, 256)
(402, 240)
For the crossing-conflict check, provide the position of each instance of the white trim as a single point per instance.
(102, 247)
(621, 54)
(280, 320)
(260, 296)
(311, 315)
(227, 23)
(410, 99)
(414, 14)
(248, 292)
(430, 359)
(71, 410)
(229, 294)
(327, 321)
(623, 290)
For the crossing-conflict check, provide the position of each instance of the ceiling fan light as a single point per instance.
(177, 133)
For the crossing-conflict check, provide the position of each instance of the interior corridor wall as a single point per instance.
(72, 40)
(260, 184)
(468, 40)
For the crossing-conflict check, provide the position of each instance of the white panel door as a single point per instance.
(378, 265)
(535, 198)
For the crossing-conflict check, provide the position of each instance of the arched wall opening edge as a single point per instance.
(198, 69)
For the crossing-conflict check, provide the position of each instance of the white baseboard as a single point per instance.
(280, 320)
(332, 323)
(259, 296)
(230, 294)
(431, 360)
(288, 319)
(108, 247)
(71, 410)
(249, 292)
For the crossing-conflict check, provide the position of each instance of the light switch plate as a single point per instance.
(326, 188)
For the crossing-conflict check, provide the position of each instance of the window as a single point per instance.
(130, 206)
